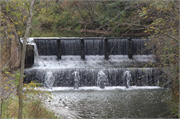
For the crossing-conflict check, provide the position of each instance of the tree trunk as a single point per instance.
(1, 107)
(23, 61)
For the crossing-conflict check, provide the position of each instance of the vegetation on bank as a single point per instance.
(33, 104)
(32, 108)
(159, 19)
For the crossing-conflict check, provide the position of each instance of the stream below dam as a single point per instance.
(111, 102)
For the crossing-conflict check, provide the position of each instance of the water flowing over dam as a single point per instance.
(77, 64)
(93, 46)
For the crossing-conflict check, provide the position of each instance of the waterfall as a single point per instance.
(70, 47)
(49, 79)
(101, 79)
(46, 47)
(92, 77)
(127, 77)
(76, 79)
(92, 46)
(94, 70)
(36, 52)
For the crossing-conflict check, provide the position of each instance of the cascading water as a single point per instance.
(93, 73)
(101, 79)
(127, 77)
(76, 79)
(94, 62)
(49, 79)
(93, 46)
(36, 52)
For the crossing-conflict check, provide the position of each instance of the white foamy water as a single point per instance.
(127, 77)
(97, 88)
(46, 62)
(49, 79)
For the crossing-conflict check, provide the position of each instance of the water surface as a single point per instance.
(136, 102)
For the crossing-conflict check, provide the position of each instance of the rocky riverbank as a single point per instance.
(60, 109)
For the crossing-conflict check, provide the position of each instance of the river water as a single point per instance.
(112, 102)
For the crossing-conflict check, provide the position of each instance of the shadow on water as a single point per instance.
(101, 104)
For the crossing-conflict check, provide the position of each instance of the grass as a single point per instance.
(32, 108)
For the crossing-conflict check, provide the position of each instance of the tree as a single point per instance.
(23, 60)
(13, 20)
(13, 17)
(164, 27)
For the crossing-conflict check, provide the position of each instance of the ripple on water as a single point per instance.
(117, 103)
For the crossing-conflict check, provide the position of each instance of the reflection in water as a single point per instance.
(140, 103)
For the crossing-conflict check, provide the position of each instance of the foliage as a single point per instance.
(16, 76)
(7, 84)
(33, 108)
(14, 14)
(31, 95)
(165, 40)
(13, 22)
(109, 16)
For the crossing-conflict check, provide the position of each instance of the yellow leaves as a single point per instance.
(9, 30)
(159, 21)
(16, 23)
(24, 18)
(7, 73)
(145, 17)
(3, 20)
(152, 27)
(144, 8)
(2, 28)
(6, 88)
(32, 85)
(19, 33)
(144, 12)
(177, 93)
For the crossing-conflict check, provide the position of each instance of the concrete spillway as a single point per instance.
(46, 62)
